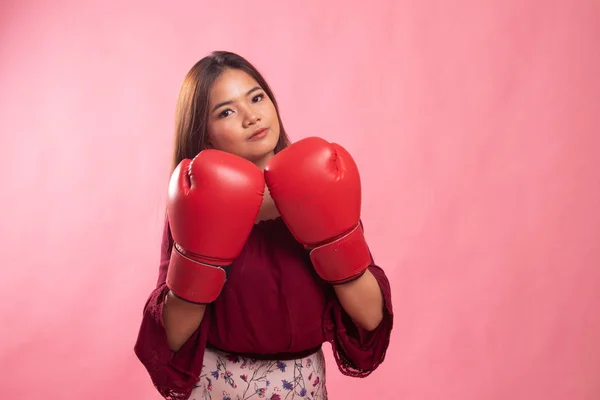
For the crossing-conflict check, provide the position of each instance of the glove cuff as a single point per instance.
(194, 281)
(344, 259)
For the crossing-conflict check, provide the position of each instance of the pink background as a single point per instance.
(475, 127)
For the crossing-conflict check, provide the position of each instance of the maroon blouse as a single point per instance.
(273, 303)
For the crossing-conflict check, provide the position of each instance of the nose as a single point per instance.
(251, 117)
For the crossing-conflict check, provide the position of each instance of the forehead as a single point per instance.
(232, 84)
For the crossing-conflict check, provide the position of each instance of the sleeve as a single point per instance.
(359, 352)
(174, 374)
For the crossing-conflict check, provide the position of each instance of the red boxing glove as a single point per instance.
(212, 206)
(316, 188)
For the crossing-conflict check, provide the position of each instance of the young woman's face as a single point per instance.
(241, 118)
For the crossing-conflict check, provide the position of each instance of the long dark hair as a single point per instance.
(192, 105)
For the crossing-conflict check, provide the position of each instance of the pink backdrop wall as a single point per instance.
(475, 127)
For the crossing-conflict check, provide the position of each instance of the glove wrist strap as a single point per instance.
(344, 259)
(194, 281)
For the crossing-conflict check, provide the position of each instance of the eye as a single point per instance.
(225, 113)
(258, 98)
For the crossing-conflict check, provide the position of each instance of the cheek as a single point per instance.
(222, 132)
(273, 116)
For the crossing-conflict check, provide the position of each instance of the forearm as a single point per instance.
(181, 319)
(362, 300)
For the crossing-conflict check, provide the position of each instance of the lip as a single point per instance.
(258, 134)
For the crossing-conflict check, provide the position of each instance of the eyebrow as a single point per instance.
(224, 103)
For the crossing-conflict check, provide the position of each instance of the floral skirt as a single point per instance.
(231, 377)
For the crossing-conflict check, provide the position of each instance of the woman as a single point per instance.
(254, 277)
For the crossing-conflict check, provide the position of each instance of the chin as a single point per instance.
(268, 144)
(272, 144)
(262, 152)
